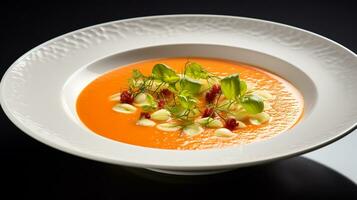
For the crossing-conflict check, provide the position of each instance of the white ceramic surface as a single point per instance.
(39, 90)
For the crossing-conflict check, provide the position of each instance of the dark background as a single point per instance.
(30, 169)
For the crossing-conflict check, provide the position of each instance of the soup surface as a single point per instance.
(285, 107)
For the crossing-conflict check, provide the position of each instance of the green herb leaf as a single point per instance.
(150, 99)
(190, 85)
(137, 74)
(172, 87)
(195, 70)
(243, 87)
(252, 104)
(186, 100)
(165, 74)
(175, 110)
(230, 86)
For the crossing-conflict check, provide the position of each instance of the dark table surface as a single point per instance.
(31, 169)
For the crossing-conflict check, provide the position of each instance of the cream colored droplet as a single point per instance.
(223, 132)
(203, 121)
(193, 129)
(210, 122)
(259, 118)
(241, 124)
(242, 115)
(145, 122)
(124, 108)
(140, 98)
(115, 97)
(250, 86)
(264, 94)
(267, 105)
(168, 127)
(162, 115)
(254, 121)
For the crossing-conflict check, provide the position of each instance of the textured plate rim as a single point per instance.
(186, 167)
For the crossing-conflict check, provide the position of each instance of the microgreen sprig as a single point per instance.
(230, 93)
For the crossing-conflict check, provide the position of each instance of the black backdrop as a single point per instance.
(31, 169)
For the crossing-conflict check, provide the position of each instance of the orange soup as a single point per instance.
(282, 104)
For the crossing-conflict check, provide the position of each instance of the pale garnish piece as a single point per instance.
(210, 122)
(254, 121)
(264, 94)
(193, 129)
(223, 132)
(115, 97)
(241, 124)
(161, 115)
(259, 119)
(144, 100)
(145, 122)
(267, 105)
(124, 108)
(169, 127)
(140, 99)
(242, 115)
(251, 86)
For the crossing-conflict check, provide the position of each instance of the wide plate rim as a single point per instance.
(186, 167)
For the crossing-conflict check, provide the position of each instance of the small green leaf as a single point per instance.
(231, 86)
(186, 100)
(243, 87)
(195, 70)
(176, 110)
(172, 87)
(137, 74)
(165, 74)
(151, 101)
(190, 85)
(252, 104)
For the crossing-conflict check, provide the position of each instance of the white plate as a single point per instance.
(38, 92)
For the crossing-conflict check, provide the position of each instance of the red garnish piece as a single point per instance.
(161, 103)
(126, 97)
(166, 92)
(216, 89)
(210, 97)
(212, 93)
(208, 112)
(145, 115)
(231, 124)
